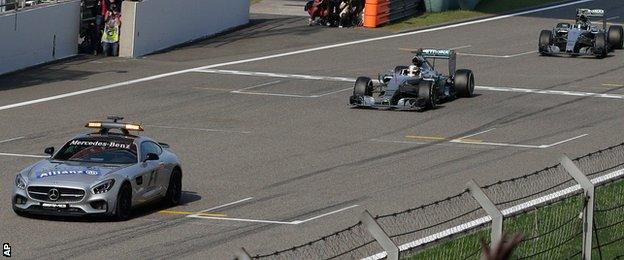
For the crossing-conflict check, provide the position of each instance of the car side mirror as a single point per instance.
(151, 157)
(49, 150)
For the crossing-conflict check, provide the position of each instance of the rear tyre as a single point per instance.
(174, 190)
(363, 87)
(616, 37)
(427, 91)
(545, 40)
(600, 45)
(464, 83)
(124, 203)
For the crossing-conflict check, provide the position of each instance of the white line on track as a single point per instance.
(551, 92)
(276, 75)
(199, 129)
(126, 83)
(294, 222)
(12, 139)
(220, 206)
(612, 18)
(462, 140)
(24, 155)
(445, 144)
(496, 56)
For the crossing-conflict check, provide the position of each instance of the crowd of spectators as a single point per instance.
(335, 12)
(102, 34)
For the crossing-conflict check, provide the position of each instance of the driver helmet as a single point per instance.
(413, 71)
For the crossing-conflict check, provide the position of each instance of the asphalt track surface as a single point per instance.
(292, 162)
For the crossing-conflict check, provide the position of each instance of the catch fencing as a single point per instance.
(574, 209)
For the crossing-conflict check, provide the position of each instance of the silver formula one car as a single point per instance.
(582, 38)
(101, 173)
(415, 87)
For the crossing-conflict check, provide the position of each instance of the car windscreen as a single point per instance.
(106, 151)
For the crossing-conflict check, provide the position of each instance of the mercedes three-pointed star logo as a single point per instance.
(54, 194)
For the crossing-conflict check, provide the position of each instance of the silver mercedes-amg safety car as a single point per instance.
(107, 172)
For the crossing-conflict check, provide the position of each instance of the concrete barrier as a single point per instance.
(153, 25)
(38, 35)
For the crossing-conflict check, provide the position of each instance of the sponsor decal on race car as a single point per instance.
(68, 172)
(100, 143)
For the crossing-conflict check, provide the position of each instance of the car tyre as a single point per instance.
(363, 87)
(545, 40)
(615, 37)
(600, 45)
(123, 207)
(174, 190)
(464, 83)
(427, 90)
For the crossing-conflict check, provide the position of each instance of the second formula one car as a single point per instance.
(100, 173)
(582, 38)
(415, 87)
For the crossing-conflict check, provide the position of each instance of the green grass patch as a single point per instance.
(485, 7)
(550, 232)
(253, 2)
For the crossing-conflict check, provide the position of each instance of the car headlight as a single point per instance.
(103, 187)
(20, 182)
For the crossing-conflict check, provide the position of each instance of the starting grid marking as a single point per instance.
(207, 214)
(469, 141)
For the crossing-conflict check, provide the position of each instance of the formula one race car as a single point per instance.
(101, 173)
(415, 87)
(582, 38)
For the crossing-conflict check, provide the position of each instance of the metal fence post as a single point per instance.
(392, 251)
(242, 254)
(497, 217)
(588, 210)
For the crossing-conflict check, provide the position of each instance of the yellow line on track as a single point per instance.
(190, 213)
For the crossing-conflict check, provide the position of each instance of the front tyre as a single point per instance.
(124, 203)
(545, 40)
(464, 83)
(600, 45)
(363, 87)
(427, 91)
(174, 190)
(615, 37)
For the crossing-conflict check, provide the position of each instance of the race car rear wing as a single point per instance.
(446, 54)
(590, 12)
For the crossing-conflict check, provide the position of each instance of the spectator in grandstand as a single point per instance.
(109, 6)
(110, 37)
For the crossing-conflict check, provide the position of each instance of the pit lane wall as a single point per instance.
(153, 25)
(39, 34)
